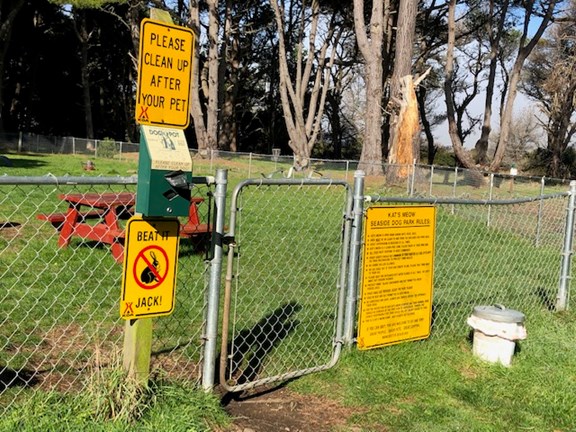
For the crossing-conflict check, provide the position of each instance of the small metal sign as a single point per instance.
(150, 262)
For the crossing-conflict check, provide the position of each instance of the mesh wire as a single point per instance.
(59, 306)
(286, 283)
(495, 254)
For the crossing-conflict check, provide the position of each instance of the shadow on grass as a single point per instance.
(547, 298)
(16, 378)
(9, 224)
(250, 347)
(14, 162)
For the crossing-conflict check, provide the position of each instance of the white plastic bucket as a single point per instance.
(496, 330)
(493, 349)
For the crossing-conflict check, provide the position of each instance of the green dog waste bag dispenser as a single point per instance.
(164, 172)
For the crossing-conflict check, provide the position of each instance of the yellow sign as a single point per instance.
(397, 275)
(164, 74)
(150, 260)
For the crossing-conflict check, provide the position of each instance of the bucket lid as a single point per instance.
(499, 313)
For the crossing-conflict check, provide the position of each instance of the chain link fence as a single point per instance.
(437, 181)
(59, 307)
(417, 179)
(506, 252)
(34, 143)
(285, 281)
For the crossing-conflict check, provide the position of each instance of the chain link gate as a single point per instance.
(285, 282)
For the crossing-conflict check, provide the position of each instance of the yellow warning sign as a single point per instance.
(397, 275)
(164, 74)
(150, 262)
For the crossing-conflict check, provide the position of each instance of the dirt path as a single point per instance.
(282, 410)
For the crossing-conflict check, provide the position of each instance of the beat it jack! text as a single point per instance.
(147, 236)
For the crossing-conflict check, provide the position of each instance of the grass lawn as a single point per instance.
(431, 385)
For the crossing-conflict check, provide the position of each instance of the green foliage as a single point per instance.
(88, 4)
(444, 156)
(116, 396)
(539, 162)
(30, 164)
(437, 385)
(434, 385)
(112, 401)
(107, 148)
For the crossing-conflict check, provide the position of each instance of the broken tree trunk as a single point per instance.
(404, 148)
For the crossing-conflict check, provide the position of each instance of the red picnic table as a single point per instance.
(108, 209)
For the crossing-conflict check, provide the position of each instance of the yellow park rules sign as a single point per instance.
(164, 74)
(150, 262)
(397, 275)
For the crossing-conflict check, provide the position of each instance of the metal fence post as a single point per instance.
(213, 297)
(355, 243)
(348, 219)
(413, 177)
(563, 289)
(431, 180)
(540, 206)
(490, 198)
(454, 187)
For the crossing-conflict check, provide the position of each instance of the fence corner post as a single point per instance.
(213, 296)
(353, 270)
(564, 285)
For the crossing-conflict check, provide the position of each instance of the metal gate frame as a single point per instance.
(230, 241)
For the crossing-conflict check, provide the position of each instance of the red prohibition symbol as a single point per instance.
(153, 274)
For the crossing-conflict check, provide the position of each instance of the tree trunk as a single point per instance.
(560, 129)
(371, 51)
(334, 100)
(205, 123)
(554, 169)
(404, 119)
(371, 155)
(304, 97)
(84, 38)
(506, 118)
(5, 36)
(449, 77)
(523, 53)
(212, 109)
(227, 135)
(482, 143)
(406, 132)
(426, 126)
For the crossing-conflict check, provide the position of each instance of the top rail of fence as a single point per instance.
(66, 180)
(433, 200)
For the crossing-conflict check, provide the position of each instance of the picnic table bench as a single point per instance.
(57, 219)
(107, 209)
